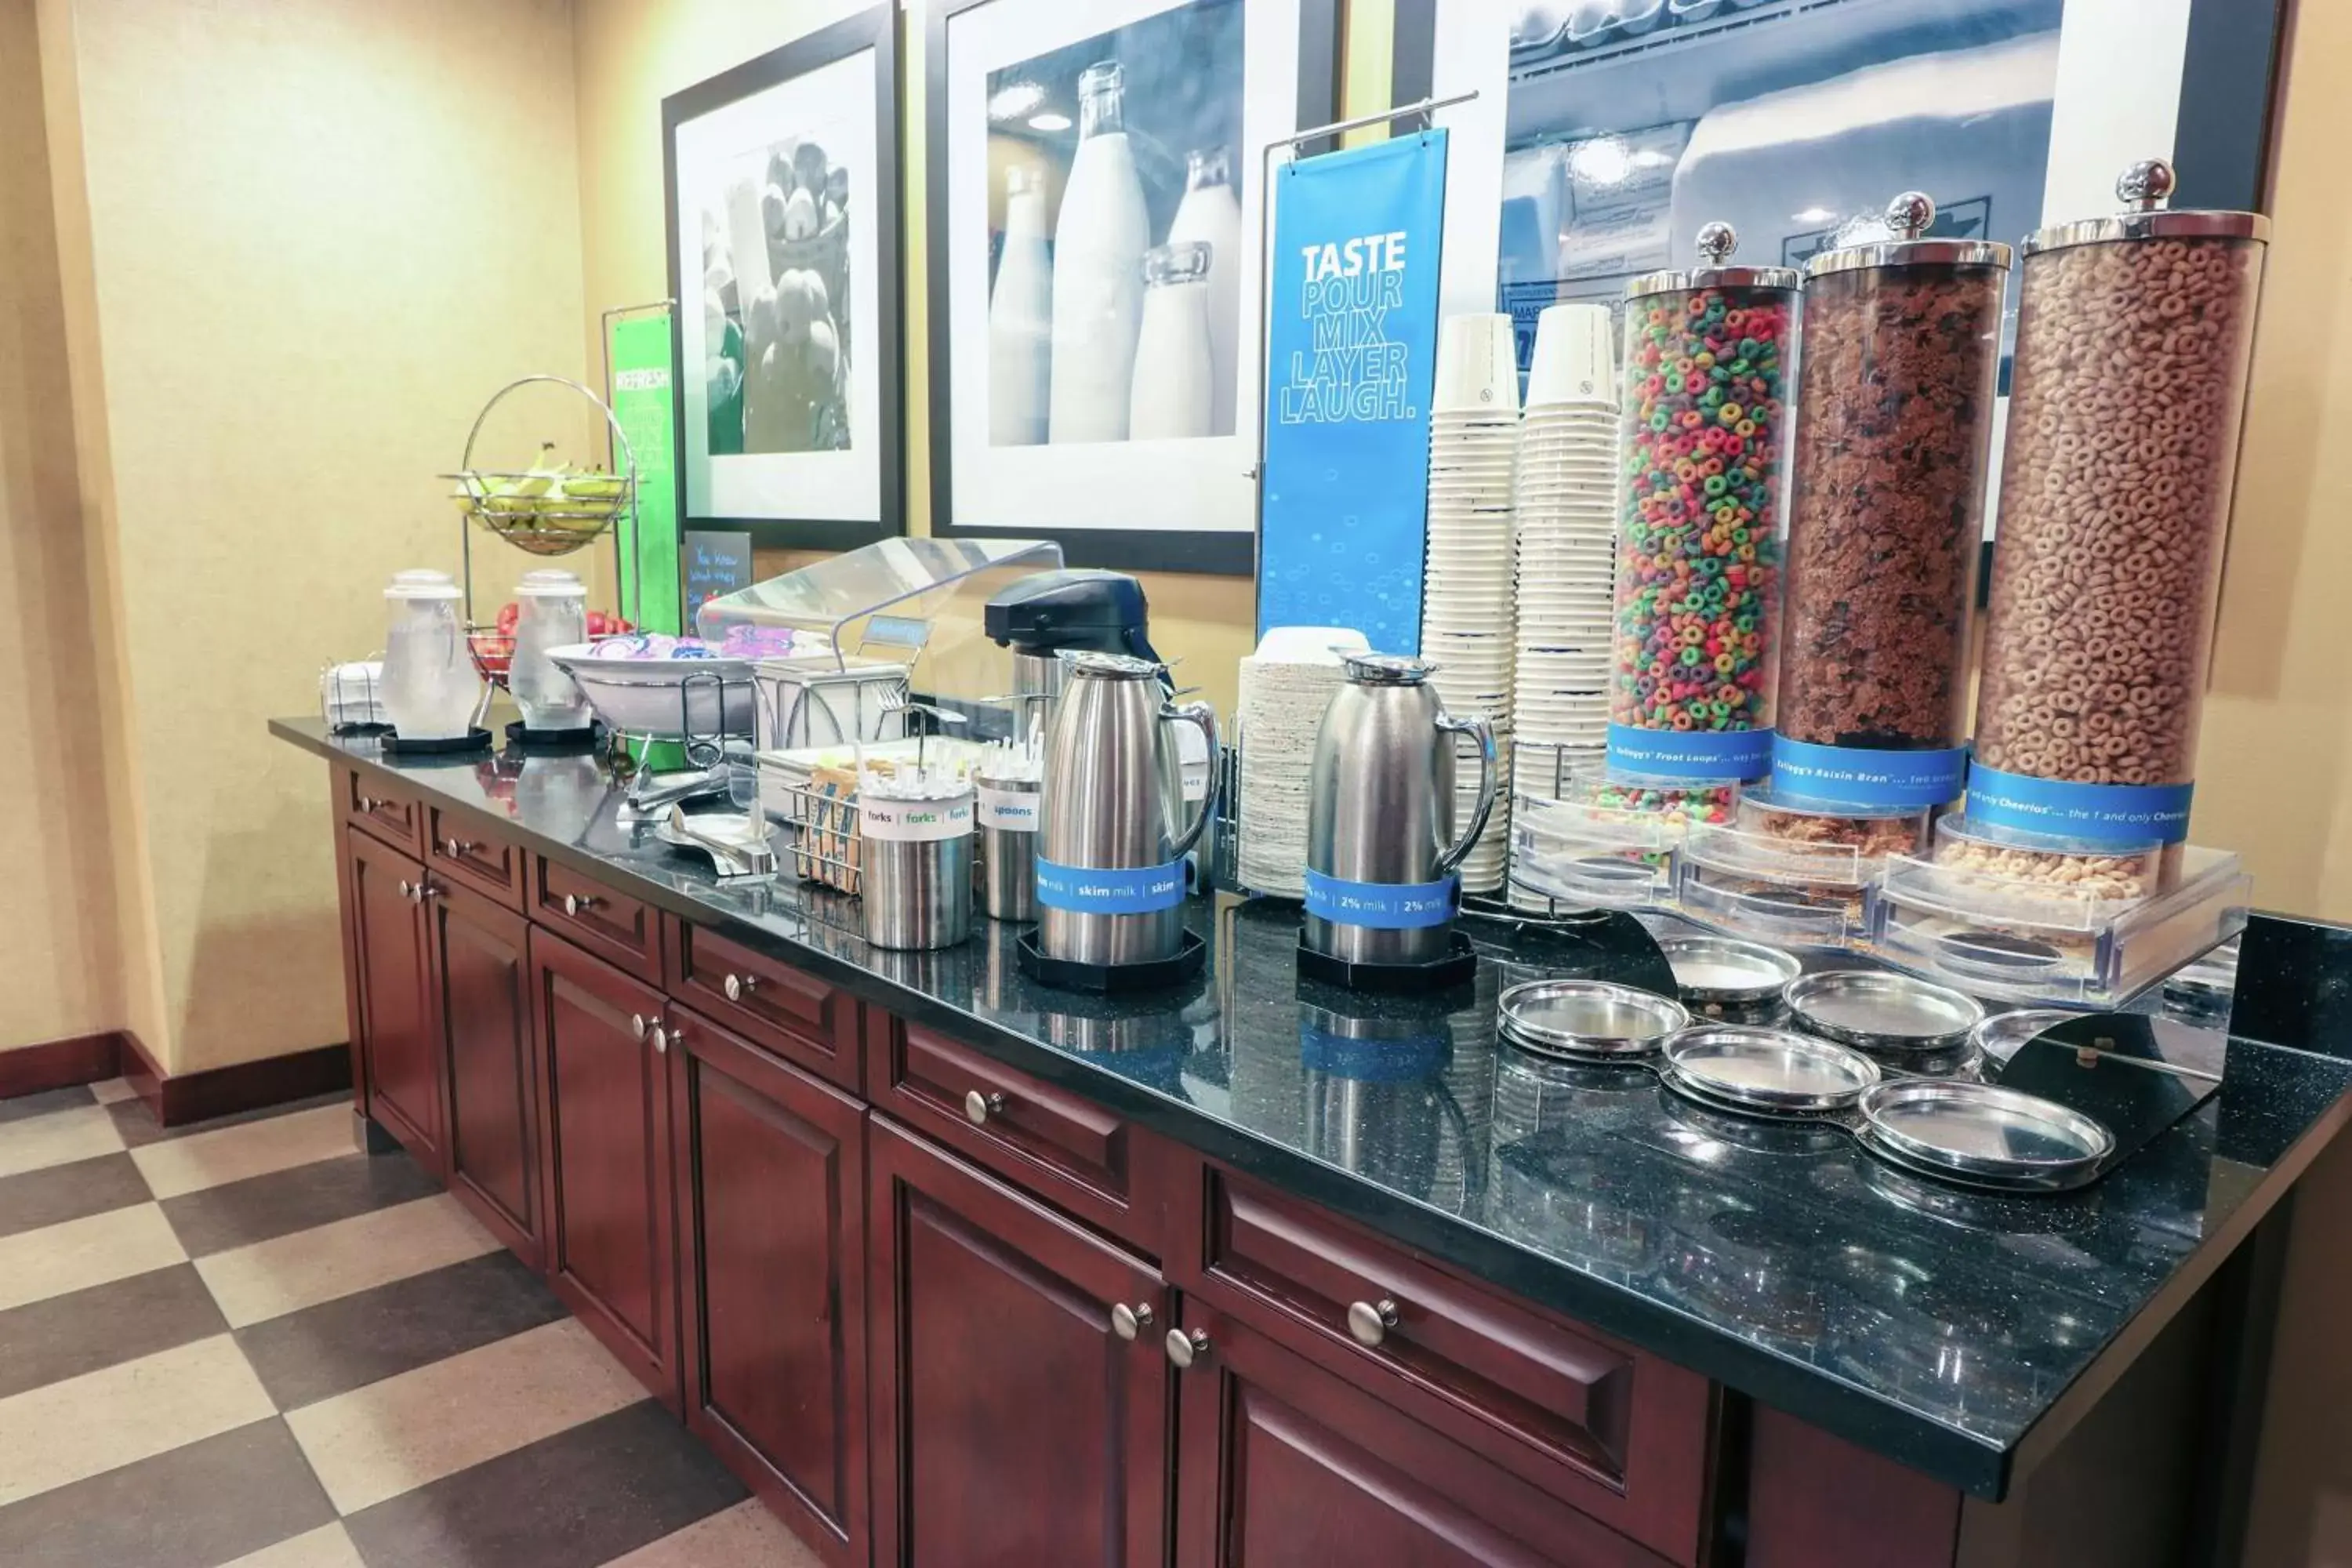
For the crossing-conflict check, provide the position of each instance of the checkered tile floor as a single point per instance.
(243, 1343)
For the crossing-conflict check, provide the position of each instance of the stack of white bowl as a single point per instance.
(1466, 611)
(1284, 686)
(1567, 520)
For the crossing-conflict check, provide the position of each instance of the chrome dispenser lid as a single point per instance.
(1716, 241)
(1768, 1071)
(1882, 1011)
(1584, 1019)
(1113, 665)
(1908, 219)
(2147, 185)
(1976, 1133)
(1386, 669)
(1721, 969)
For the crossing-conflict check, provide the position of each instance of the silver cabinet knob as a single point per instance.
(427, 890)
(365, 802)
(401, 887)
(1128, 1321)
(454, 847)
(1370, 1322)
(637, 1025)
(1184, 1349)
(978, 1106)
(738, 986)
(573, 903)
(661, 1040)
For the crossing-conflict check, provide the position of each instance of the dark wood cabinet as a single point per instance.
(1012, 1424)
(605, 1156)
(481, 1003)
(1283, 1463)
(399, 1038)
(768, 1002)
(771, 1246)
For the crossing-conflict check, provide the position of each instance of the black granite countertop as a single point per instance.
(1958, 1332)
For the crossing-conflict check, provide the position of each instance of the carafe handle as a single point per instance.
(1204, 716)
(1477, 724)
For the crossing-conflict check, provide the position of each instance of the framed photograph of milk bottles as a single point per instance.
(781, 180)
(1094, 224)
(1605, 135)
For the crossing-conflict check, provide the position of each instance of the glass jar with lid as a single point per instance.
(1895, 417)
(2134, 339)
(430, 686)
(1703, 432)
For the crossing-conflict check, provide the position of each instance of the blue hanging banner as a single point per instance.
(1351, 346)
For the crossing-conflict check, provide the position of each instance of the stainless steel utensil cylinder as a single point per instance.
(916, 881)
(1008, 847)
(1380, 844)
(1110, 873)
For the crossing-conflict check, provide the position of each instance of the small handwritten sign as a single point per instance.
(714, 564)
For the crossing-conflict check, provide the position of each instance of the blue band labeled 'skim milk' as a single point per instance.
(1384, 906)
(1860, 779)
(1719, 756)
(1092, 891)
(2130, 815)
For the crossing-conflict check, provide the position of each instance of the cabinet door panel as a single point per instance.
(482, 996)
(607, 1160)
(1012, 1425)
(1284, 1464)
(399, 1043)
(770, 1183)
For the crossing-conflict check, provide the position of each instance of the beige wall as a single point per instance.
(316, 236)
(57, 903)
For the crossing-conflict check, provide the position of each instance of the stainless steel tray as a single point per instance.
(1724, 970)
(1775, 1071)
(1983, 1135)
(1587, 1019)
(1879, 1010)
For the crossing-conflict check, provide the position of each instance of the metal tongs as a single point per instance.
(745, 856)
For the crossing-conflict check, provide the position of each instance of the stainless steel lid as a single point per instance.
(1587, 1018)
(1719, 968)
(1386, 669)
(2146, 185)
(1767, 1071)
(1879, 1010)
(1113, 665)
(2000, 1034)
(1980, 1133)
(1908, 218)
(1716, 241)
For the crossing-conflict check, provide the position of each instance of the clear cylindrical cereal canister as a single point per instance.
(1702, 442)
(1895, 415)
(2130, 378)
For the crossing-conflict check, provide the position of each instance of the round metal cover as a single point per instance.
(1880, 1010)
(1772, 1071)
(1720, 969)
(1994, 1137)
(1587, 1018)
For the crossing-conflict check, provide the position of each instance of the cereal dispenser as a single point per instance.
(1895, 416)
(2130, 378)
(1702, 435)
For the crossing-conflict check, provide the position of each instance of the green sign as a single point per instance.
(642, 403)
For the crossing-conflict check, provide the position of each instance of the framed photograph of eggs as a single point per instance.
(1094, 229)
(780, 183)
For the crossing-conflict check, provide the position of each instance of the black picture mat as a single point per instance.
(1233, 554)
(875, 29)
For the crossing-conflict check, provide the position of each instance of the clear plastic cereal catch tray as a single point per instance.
(1608, 844)
(1789, 874)
(2041, 921)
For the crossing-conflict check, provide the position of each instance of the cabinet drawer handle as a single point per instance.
(368, 803)
(457, 848)
(1184, 1349)
(1128, 1321)
(573, 903)
(1370, 1322)
(637, 1025)
(661, 1040)
(738, 986)
(426, 890)
(402, 889)
(978, 1106)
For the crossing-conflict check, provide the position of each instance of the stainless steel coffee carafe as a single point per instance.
(1110, 873)
(1380, 844)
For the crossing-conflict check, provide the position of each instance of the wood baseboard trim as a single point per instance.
(178, 1099)
(60, 1064)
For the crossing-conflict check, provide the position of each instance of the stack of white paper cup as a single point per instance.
(1567, 500)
